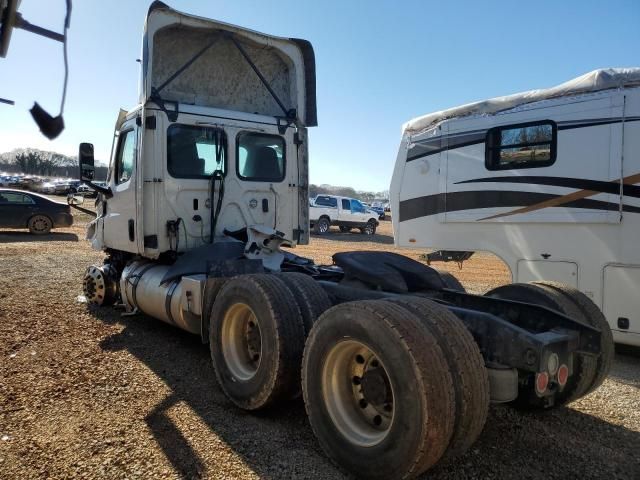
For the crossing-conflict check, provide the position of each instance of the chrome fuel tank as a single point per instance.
(178, 302)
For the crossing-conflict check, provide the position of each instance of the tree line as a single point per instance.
(348, 192)
(43, 164)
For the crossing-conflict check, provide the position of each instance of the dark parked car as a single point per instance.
(65, 188)
(379, 211)
(20, 209)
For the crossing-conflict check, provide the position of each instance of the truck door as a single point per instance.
(359, 212)
(121, 212)
(345, 210)
(261, 186)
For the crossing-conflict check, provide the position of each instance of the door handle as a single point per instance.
(132, 232)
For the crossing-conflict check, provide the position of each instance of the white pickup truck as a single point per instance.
(346, 213)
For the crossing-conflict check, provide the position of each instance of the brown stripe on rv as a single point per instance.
(560, 201)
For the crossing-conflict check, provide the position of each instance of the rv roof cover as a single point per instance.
(589, 82)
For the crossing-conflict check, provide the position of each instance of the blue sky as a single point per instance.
(378, 64)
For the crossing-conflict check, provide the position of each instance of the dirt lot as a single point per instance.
(87, 393)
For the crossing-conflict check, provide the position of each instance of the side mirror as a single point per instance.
(75, 200)
(85, 159)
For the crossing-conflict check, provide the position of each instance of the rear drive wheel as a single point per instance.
(40, 224)
(256, 341)
(451, 282)
(322, 226)
(377, 390)
(593, 316)
(311, 298)
(465, 362)
(369, 228)
(584, 366)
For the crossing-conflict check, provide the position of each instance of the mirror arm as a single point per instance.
(84, 210)
(106, 191)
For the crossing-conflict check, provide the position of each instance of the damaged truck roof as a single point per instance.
(193, 60)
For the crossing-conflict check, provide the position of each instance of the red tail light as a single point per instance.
(542, 381)
(563, 375)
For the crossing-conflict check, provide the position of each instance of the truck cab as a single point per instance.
(218, 142)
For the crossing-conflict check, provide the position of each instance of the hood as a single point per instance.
(231, 70)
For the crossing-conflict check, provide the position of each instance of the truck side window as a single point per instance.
(527, 145)
(346, 204)
(126, 156)
(260, 157)
(322, 201)
(357, 207)
(195, 152)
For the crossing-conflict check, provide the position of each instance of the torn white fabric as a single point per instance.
(603, 79)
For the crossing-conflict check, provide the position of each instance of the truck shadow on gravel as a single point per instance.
(355, 237)
(279, 443)
(19, 236)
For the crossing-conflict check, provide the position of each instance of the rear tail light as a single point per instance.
(542, 382)
(563, 375)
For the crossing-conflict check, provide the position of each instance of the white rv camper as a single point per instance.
(546, 180)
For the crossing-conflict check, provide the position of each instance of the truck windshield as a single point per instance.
(194, 152)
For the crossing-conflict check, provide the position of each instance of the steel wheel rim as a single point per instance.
(94, 286)
(40, 224)
(324, 227)
(352, 376)
(369, 229)
(241, 340)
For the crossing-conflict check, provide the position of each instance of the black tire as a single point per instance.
(322, 226)
(584, 367)
(414, 370)
(345, 229)
(39, 224)
(249, 382)
(465, 362)
(311, 298)
(451, 282)
(594, 317)
(369, 228)
(211, 289)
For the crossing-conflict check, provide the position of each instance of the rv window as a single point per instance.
(260, 157)
(346, 204)
(529, 145)
(126, 156)
(195, 152)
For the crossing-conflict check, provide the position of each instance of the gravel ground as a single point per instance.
(88, 393)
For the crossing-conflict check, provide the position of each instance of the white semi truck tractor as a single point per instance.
(207, 192)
